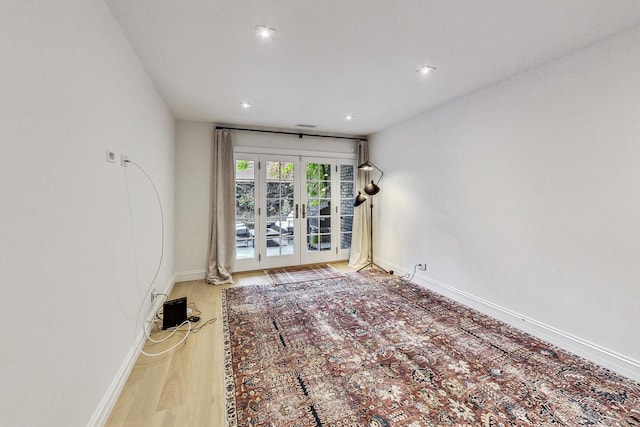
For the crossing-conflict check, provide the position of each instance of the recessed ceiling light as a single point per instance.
(245, 105)
(425, 69)
(265, 33)
(348, 117)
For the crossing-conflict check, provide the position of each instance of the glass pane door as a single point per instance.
(279, 220)
(280, 227)
(292, 210)
(318, 210)
(318, 205)
(246, 209)
(347, 194)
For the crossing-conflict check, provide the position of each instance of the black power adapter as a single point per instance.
(174, 312)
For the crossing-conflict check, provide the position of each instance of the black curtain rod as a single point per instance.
(298, 134)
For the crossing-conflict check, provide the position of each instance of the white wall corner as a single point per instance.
(186, 276)
(102, 412)
(609, 359)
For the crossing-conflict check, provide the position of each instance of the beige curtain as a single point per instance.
(359, 255)
(223, 210)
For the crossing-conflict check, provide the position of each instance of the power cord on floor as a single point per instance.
(158, 321)
(148, 335)
(203, 324)
(407, 277)
(193, 307)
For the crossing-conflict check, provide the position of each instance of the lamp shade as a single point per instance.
(360, 199)
(371, 189)
(366, 166)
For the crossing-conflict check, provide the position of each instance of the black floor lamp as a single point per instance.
(371, 189)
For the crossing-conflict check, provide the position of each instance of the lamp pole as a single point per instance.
(370, 189)
(370, 239)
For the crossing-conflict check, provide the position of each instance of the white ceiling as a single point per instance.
(331, 58)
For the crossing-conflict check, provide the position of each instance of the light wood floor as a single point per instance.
(184, 387)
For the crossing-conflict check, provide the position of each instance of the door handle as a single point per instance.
(304, 211)
(296, 210)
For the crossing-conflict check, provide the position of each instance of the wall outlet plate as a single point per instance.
(111, 155)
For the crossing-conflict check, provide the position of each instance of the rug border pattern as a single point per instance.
(229, 379)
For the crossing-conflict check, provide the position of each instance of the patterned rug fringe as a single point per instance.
(302, 273)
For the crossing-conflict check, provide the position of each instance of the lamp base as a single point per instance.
(373, 265)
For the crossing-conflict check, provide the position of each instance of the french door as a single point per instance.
(327, 200)
(292, 210)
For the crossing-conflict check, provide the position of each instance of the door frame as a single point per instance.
(300, 257)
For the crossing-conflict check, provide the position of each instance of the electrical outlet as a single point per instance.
(423, 266)
(123, 160)
(154, 295)
(111, 155)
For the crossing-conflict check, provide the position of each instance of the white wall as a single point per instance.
(78, 249)
(193, 178)
(525, 194)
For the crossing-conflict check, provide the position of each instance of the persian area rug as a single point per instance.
(303, 273)
(367, 350)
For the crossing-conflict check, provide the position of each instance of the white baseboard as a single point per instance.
(102, 412)
(619, 363)
(110, 398)
(186, 276)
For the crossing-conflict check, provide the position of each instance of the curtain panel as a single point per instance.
(223, 210)
(359, 255)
